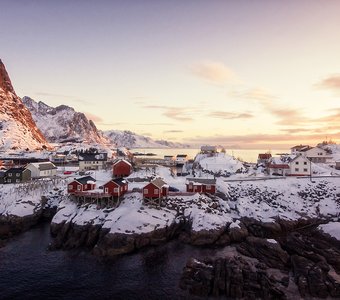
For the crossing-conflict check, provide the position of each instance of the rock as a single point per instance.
(238, 234)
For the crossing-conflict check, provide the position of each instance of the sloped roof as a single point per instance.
(181, 155)
(205, 181)
(118, 181)
(121, 160)
(158, 182)
(85, 179)
(43, 166)
(15, 170)
(93, 157)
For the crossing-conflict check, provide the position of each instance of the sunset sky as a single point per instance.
(243, 74)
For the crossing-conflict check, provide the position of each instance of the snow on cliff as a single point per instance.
(17, 127)
(219, 163)
(63, 123)
(130, 140)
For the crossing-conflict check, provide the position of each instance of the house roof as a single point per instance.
(15, 170)
(122, 160)
(181, 155)
(93, 157)
(278, 166)
(158, 182)
(118, 181)
(264, 155)
(43, 166)
(85, 179)
(205, 181)
(168, 156)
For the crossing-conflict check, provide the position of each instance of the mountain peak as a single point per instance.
(18, 130)
(5, 81)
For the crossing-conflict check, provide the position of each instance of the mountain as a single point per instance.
(17, 127)
(63, 123)
(129, 139)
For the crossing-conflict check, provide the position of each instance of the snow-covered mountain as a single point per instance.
(17, 127)
(63, 123)
(129, 139)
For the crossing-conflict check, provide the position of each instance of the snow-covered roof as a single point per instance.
(158, 182)
(121, 160)
(93, 157)
(43, 166)
(118, 181)
(85, 180)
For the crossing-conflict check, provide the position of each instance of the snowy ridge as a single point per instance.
(63, 123)
(130, 139)
(17, 127)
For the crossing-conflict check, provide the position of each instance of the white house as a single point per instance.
(300, 166)
(290, 165)
(316, 155)
(92, 161)
(42, 169)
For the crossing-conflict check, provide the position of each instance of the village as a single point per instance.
(94, 177)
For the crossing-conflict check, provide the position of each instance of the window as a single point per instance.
(296, 169)
(115, 190)
(70, 187)
(305, 163)
(296, 162)
(156, 191)
(145, 191)
(18, 175)
(305, 170)
(78, 187)
(208, 187)
(9, 180)
(9, 174)
(18, 180)
(106, 190)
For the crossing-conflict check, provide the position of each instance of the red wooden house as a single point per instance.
(155, 191)
(116, 187)
(82, 184)
(201, 185)
(121, 168)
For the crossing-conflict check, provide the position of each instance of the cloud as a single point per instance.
(229, 115)
(173, 131)
(258, 141)
(260, 95)
(155, 124)
(183, 114)
(93, 117)
(215, 72)
(331, 83)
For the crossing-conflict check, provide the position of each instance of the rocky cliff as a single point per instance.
(17, 127)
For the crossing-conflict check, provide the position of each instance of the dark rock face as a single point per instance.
(232, 277)
(69, 236)
(300, 264)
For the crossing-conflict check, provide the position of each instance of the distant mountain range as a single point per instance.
(26, 124)
(17, 127)
(129, 139)
(63, 124)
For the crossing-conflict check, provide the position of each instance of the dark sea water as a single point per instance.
(29, 271)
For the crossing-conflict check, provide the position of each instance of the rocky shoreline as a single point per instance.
(303, 262)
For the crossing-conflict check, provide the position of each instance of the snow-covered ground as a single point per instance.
(332, 228)
(24, 199)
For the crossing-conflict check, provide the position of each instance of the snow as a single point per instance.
(332, 228)
(272, 241)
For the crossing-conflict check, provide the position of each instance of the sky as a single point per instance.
(242, 74)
